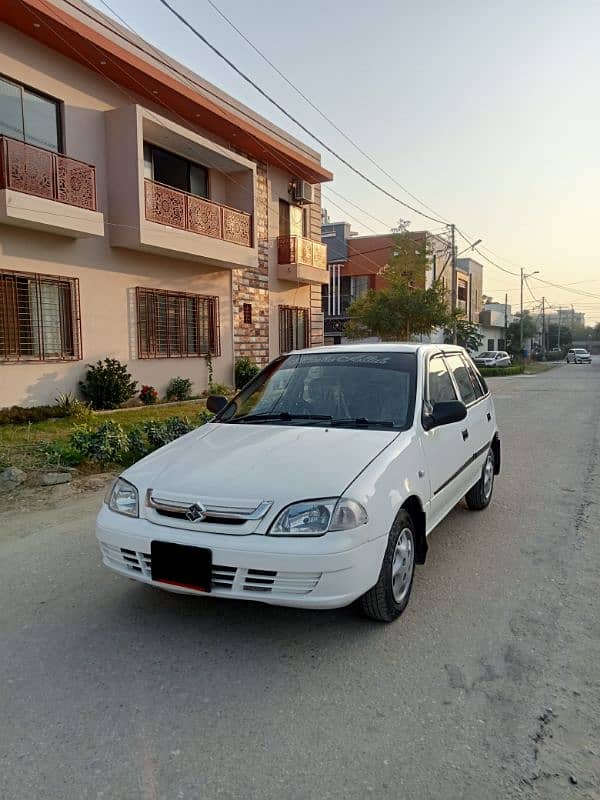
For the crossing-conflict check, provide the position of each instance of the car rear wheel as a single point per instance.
(389, 597)
(479, 496)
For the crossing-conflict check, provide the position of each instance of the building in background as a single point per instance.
(494, 319)
(144, 214)
(469, 288)
(356, 264)
(568, 317)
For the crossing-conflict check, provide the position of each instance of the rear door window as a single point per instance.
(476, 380)
(440, 387)
(461, 376)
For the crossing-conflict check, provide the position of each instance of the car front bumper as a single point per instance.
(329, 571)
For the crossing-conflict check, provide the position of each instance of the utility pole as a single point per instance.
(505, 321)
(558, 343)
(543, 324)
(521, 337)
(453, 296)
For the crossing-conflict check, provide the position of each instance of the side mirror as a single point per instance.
(445, 413)
(216, 403)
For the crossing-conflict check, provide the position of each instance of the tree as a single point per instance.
(552, 336)
(514, 332)
(404, 308)
(596, 333)
(467, 333)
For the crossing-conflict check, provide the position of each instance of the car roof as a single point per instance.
(384, 347)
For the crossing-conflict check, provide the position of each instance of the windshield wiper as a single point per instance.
(361, 422)
(284, 416)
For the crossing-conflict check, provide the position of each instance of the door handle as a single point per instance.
(489, 416)
(465, 434)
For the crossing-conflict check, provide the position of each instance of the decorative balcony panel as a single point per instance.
(164, 205)
(302, 260)
(179, 209)
(204, 217)
(32, 170)
(237, 227)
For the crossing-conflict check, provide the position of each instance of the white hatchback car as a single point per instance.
(579, 355)
(316, 486)
(493, 358)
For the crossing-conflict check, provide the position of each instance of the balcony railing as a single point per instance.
(43, 173)
(298, 250)
(187, 212)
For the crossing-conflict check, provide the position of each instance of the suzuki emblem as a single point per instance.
(196, 512)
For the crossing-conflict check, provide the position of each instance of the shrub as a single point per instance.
(220, 388)
(16, 415)
(71, 406)
(245, 370)
(551, 356)
(160, 433)
(61, 455)
(204, 416)
(148, 395)
(107, 384)
(501, 372)
(108, 444)
(179, 389)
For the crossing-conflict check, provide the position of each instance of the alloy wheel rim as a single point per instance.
(488, 476)
(403, 564)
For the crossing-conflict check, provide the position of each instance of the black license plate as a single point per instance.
(181, 565)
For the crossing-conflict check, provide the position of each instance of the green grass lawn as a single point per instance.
(21, 445)
(540, 366)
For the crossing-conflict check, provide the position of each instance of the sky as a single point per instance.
(489, 112)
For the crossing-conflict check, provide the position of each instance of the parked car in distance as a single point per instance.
(579, 355)
(493, 358)
(317, 485)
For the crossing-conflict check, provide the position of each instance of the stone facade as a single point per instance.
(252, 286)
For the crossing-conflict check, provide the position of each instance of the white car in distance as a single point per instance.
(493, 358)
(316, 486)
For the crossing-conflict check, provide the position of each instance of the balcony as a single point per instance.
(301, 260)
(47, 191)
(187, 212)
(153, 216)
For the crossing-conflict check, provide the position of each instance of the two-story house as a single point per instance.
(144, 214)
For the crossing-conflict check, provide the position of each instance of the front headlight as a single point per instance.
(316, 517)
(122, 497)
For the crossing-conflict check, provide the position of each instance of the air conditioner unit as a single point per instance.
(303, 192)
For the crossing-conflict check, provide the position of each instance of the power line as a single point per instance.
(287, 114)
(318, 110)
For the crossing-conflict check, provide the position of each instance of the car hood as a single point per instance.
(243, 463)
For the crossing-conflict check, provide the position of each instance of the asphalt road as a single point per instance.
(488, 687)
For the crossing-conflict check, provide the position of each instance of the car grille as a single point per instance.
(179, 509)
(224, 578)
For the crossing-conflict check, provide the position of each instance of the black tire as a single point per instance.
(480, 495)
(388, 599)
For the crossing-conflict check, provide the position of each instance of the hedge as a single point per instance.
(501, 372)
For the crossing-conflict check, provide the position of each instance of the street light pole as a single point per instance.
(524, 277)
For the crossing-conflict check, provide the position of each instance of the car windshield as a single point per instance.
(580, 350)
(345, 389)
(489, 354)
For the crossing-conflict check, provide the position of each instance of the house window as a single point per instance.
(501, 344)
(293, 328)
(172, 170)
(176, 324)
(29, 116)
(462, 291)
(490, 345)
(39, 317)
(247, 310)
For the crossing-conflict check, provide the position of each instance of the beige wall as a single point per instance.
(107, 280)
(108, 274)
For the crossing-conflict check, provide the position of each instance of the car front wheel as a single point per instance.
(389, 597)
(479, 496)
